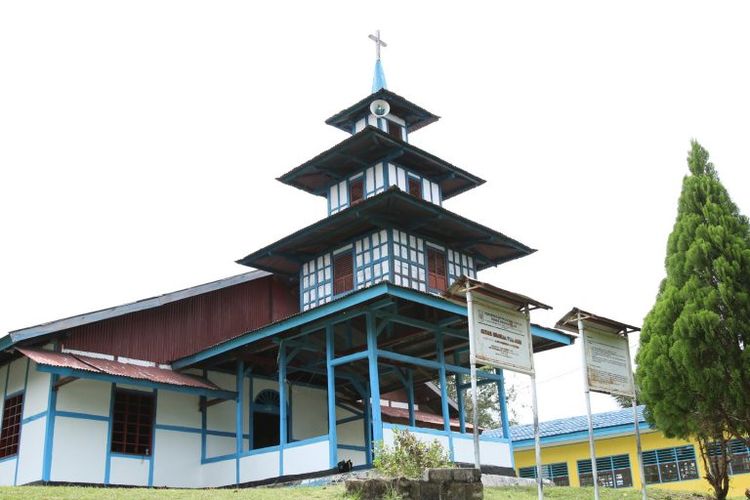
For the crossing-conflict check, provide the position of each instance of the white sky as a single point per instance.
(139, 141)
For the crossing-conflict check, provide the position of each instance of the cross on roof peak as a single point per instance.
(378, 43)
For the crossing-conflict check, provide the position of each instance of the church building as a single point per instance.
(342, 332)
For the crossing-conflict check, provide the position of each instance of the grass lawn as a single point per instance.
(331, 492)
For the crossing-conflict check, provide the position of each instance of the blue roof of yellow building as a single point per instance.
(572, 428)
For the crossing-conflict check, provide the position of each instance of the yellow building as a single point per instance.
(671, 464)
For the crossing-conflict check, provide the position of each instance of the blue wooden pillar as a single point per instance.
(460, 402)
(239, 419)
(250, 412)
(330, 376)
(460, 398)
(282, 405)
(503, 403)
(410, 396)
(49, 427)
(372, 358)
(366, 413)
(444, 390)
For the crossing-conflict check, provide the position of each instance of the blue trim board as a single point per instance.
(69, 372)
(49, 428)
(583, 435)
(268, 449)
(152, 458)
(108, 462)
(8, 458)
(355, 298)
(20, 432)
(36, 416)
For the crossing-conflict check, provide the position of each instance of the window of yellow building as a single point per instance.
(670, 464)
(739, 456)
(557, 473)
(613, 472)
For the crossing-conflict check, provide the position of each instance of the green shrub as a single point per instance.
(409, 457)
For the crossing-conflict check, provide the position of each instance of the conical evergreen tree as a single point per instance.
(693, 365)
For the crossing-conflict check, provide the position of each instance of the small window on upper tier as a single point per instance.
(394, 129)
(415, 187)
(357, 190)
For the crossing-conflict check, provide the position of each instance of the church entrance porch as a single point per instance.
(347, 374)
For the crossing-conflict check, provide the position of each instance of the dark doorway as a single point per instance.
(266, 421)
(265, 430)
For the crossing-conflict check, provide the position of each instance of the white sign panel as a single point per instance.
(502, 337)
(607, 362)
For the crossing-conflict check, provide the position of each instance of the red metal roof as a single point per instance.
(432, 420)
(116, 368)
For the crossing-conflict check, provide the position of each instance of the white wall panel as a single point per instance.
(259, 466)
(7, 472)
(177, 408)
(221, 417)
(36, 397)
(307, 458)
(79, 452)
(226, 381)
(85, 396)
(217, 446)
(219, 473)
(309, 412)
(351, 433)
(31, 451)
(494, 453)
(129, 471)
(177, 458)
(17, 375)
(3, 376)
(463, 449)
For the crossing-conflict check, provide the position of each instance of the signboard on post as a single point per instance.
(607, 369)
(608, 362)
(502, 337)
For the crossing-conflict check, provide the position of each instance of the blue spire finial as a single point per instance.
(378, 81)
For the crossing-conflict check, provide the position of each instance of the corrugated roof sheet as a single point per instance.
(570, 425)
(116, 368)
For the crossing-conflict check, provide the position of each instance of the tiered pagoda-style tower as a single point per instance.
(385, 216)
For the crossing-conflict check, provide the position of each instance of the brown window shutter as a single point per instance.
(415, 187)
(343, 273)
(436, 276)
(356, 191)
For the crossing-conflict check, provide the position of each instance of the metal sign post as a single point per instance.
(636, 421)
(537, 435)
(473, 373)
(592, 448)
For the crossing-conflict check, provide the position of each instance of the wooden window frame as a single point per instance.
(360, 181)
(10, 432)
(432, 274)
(417, 183)
(133, 422)
(394, 129)
(345, 282)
